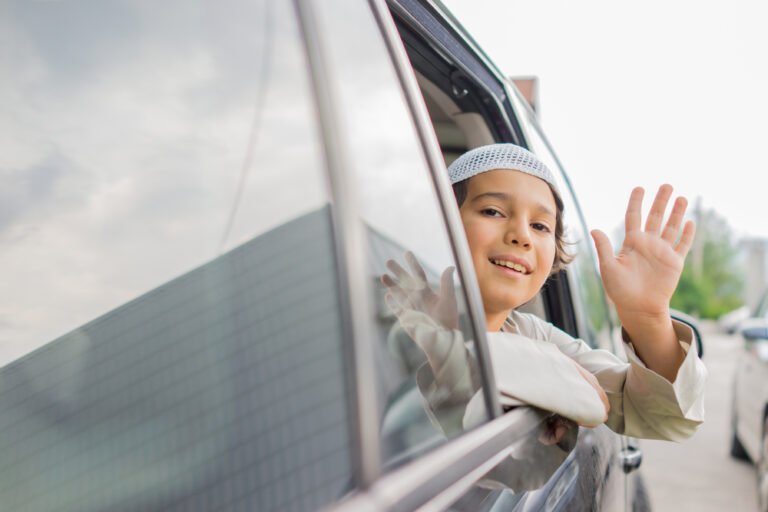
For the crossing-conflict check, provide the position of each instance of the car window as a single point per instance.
(169, 333)
(589, 302)
(399, 214)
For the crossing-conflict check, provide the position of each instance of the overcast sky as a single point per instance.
(642, 94)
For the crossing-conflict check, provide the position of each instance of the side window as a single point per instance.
(170, 332)
(463, 114)
(420, 405)
(590, 305)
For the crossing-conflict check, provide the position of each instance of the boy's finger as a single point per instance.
(396, 269)
(659, 206)
(415, 267)
(387, 281)
(634, 213)
(675, 220)
(686, 239)
(446, 281)
(447, 290)
(602, 246)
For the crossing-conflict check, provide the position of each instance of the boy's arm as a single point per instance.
(655, 343)
(644, 404)
(642, 277)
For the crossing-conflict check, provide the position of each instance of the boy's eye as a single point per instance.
(540, 227)
(490, 212)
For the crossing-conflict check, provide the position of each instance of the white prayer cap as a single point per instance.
(500, 156)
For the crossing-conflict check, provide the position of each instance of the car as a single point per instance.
(729, 322)
(199, 200)
(749, 399)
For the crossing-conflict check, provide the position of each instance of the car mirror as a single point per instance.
(693, 324)
(755, 329)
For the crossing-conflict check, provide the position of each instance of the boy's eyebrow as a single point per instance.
(506, 197)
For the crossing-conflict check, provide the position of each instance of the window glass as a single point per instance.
(166, 340)
(400, 214)
(585, 283)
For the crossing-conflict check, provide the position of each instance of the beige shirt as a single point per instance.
(531, 366)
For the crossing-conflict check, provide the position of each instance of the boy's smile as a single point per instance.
(509, 218)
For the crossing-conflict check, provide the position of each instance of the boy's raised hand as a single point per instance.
(642, 277)
(411, 291)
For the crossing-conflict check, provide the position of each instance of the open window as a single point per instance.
(464, 107)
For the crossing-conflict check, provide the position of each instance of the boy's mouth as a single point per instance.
(517, 267)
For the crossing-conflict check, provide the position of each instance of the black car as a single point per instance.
(199, 198)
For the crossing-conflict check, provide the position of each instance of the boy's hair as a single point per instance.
(562, 257)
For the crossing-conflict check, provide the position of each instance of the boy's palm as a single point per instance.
(411, 291)
(642, 277)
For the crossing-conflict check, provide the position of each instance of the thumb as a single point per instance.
(448, 311)
(446, 281)
(602, 246)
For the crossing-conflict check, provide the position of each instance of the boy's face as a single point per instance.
(509, 217)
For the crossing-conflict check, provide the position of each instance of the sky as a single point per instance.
(123, 150)
(642, 94)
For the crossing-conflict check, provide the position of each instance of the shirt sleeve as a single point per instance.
(643, 403)
(446, 382)
(539, 374)
(527, 372)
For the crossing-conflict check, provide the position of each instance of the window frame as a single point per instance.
(354, 301)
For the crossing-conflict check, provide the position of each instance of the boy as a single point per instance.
(512, 215)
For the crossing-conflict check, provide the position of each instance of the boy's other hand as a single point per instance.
(642, 277)
(411, 291)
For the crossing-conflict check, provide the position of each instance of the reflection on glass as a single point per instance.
(400, 214)
(131, 136)
(166, 342)
(533, 463)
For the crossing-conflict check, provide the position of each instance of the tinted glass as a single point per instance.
(399, 213)
(167, 341)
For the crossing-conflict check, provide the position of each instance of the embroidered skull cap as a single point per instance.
(500, 156)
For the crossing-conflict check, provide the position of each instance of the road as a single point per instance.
(699, 474)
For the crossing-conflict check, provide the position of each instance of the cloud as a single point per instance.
(125, 131)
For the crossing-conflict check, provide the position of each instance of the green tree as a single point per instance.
(712, 281)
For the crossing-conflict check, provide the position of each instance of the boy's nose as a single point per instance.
(519, 234)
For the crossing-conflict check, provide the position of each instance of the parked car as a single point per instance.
(749, 412)
(198, 201)
(729, 323)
